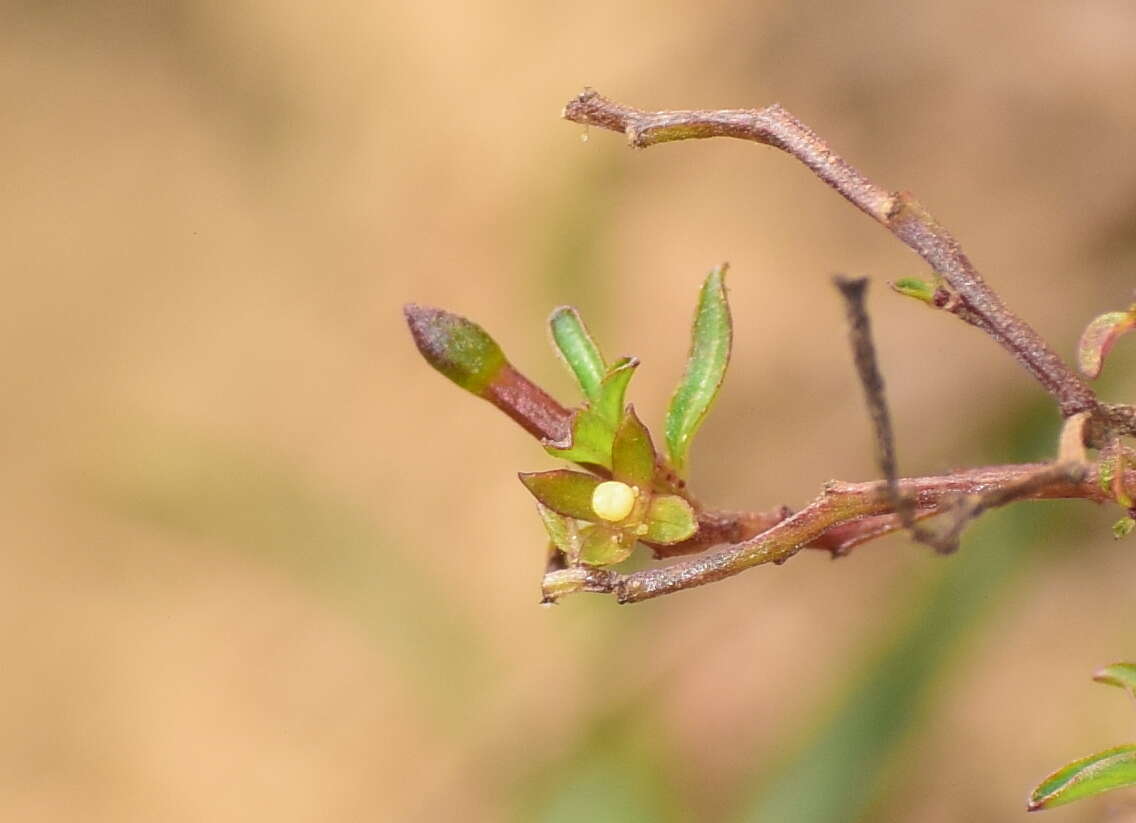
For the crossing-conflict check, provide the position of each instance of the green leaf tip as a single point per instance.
(575, 345)
(1122, 675)
(711, 340)
(914, 287)
(1111, 769)
(1099, 337)
(458, 348)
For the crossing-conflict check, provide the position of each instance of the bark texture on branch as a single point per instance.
(899, 212)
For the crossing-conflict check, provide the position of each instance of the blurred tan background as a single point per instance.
(260, 563)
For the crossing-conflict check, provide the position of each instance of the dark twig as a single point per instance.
(899, 212)
(871, 380)
(944, 536)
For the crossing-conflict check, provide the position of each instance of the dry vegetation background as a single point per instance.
(261, 564)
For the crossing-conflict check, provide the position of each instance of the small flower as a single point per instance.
(616, 512)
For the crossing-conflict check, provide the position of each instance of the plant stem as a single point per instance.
(855, 512)
(899, 212)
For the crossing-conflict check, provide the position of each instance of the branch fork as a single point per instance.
(846, 515)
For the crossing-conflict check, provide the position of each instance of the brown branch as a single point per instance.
(837, 511)
(899, 212)
(716, 528)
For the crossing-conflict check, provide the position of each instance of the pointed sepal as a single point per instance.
(670, 519)
(561, 531)
(600, 546)
(565, 492)
(632, 454)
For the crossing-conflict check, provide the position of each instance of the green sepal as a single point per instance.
(1101, 772)
(914, 287)
(1123, 527)
(711, 339)
(579, 351)
(565, 492)
(458, 348)
(1099, 336)
(632, 454)
(561, 530)
(670, 519)
(590, 441)
(613, 388)
(600, 546)
(1118, 674)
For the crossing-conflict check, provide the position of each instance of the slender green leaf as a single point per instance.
(632, 454)
(578, 350)
(609, 406)
(1099, 337)
(711, 338)
(602, 546)
(670, 519)
(458, 348)
(1101, 772)
(591, 440)
(566, 492)
(1118, 674)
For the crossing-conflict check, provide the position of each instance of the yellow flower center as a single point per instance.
(613, 500)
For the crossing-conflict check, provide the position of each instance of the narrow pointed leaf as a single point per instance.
(590, 441)
(670, 519)
(609, 406)
(1102, 772)
(711, 339)
(458, 348)
(600, 546)
(578, 350)
(565, 492)
(632, 455)
(1098, 338)
(1118, 674)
